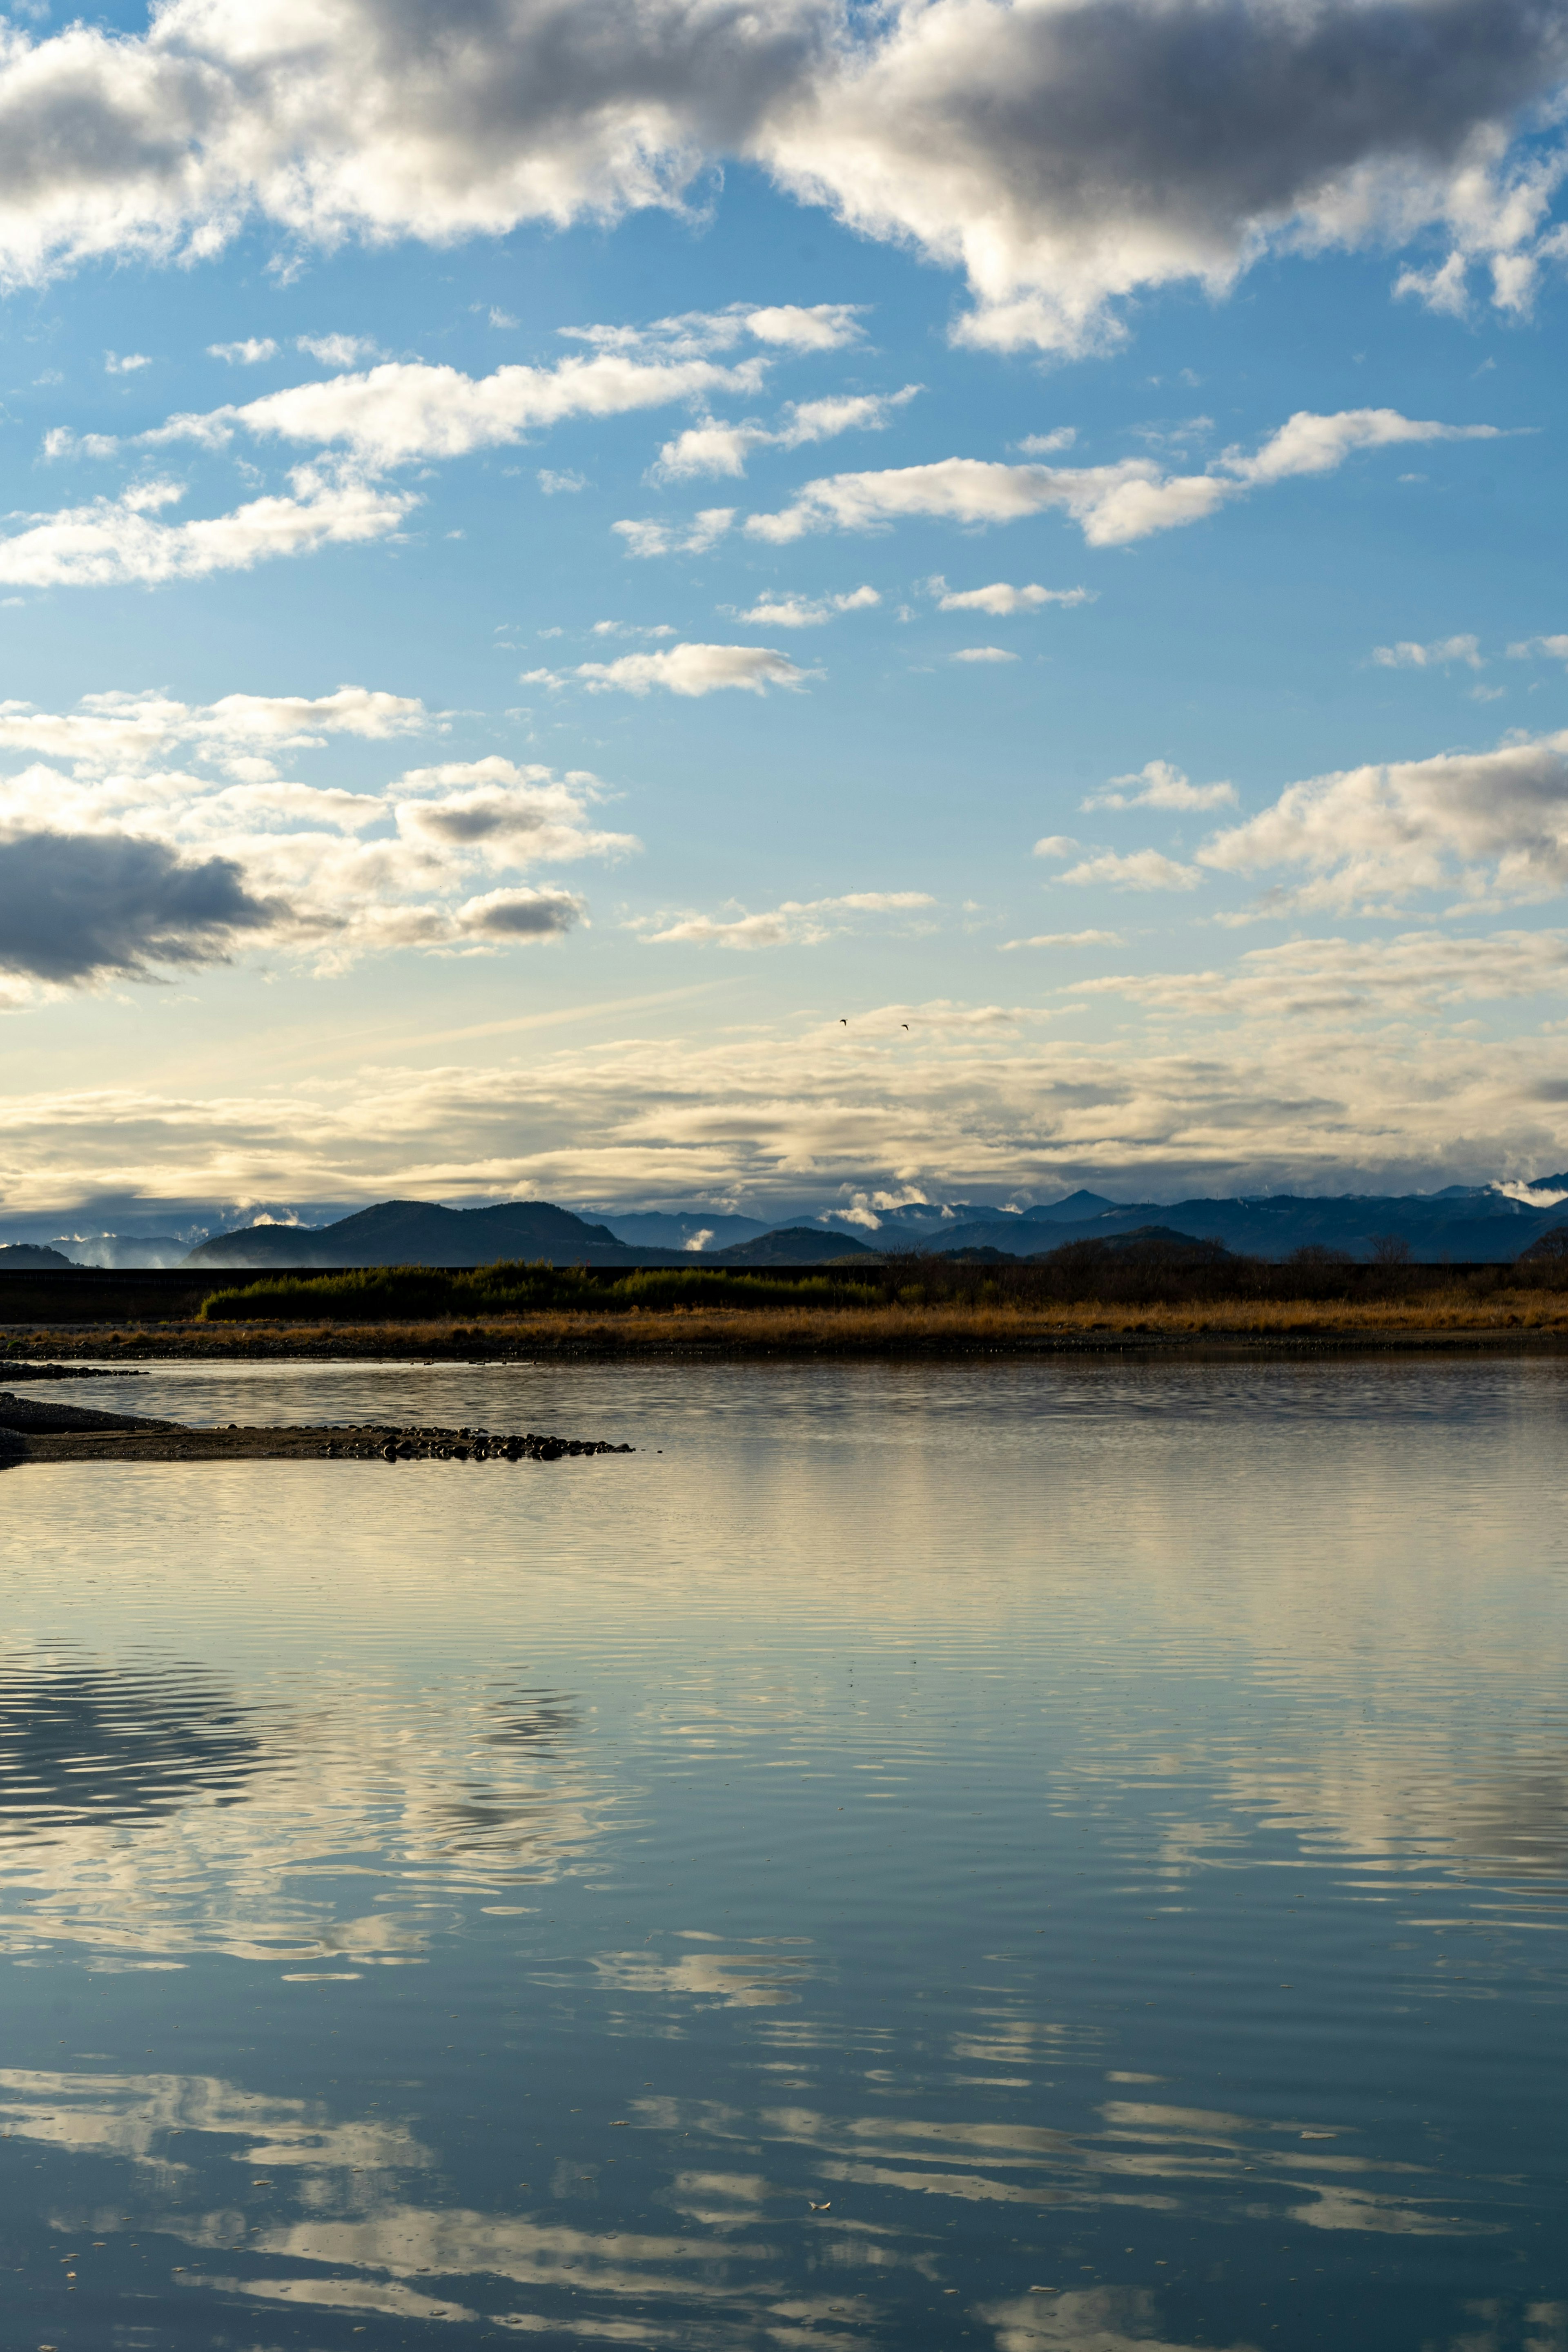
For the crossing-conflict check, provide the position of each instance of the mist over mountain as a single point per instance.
(1467, 1223)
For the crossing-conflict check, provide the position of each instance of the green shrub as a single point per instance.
(381, 1293)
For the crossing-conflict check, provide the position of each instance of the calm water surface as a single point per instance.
(1045, 1859)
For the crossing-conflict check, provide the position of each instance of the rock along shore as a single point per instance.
(34, 1430)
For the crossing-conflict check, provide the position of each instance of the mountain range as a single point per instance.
(1467, 1223)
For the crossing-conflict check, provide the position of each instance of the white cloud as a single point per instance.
(818, 327)
(114, 364)
(1066, 159)
(1055, 845)
(1064, 940)
(1338, 980)
(249, 354)
(112, 542)
(1555, 649)
(1485, 823)
(1435, 656)
(1046, 445)
(795, 923)
(713, 448)
(553, 484)
(653, 538)
(1139, 869)
(1063, 158)
(153, 863)
(339, 350)
(694, 670)
(406, 410)
(984, 654)
(1161, 786)
(975, 1100)
(502, 319)
(807, 612)
(1000, 599)
(128, 731)
(1113, 505)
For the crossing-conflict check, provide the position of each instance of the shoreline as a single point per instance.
(1532, 1322)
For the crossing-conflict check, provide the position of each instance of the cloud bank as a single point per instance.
(124, 863)
(1064, 154)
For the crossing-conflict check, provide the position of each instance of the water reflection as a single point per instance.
(155, 1817)
(1047, 1834)
(86, 1743)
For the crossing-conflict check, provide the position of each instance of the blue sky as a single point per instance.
(766, 635)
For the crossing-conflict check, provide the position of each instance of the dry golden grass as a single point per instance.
(1450, 1316)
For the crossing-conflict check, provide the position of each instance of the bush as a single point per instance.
(381, 1293)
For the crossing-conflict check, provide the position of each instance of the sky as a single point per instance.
(657, 603)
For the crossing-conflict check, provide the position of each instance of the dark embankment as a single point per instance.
(1146, 1269)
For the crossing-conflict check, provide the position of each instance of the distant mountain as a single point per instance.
(1482, 1225)
(31, 1257)
(1070, 1211)
(792, 1245)
(419, 1232)
(682, 1229)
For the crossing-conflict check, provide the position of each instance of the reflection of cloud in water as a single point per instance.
(1159, 2158)
(1082, 2319)
(85, 1743)
(133, 2116)
(151, 1815)
(351, 2238)
(752, 1979)
(1430, 1804)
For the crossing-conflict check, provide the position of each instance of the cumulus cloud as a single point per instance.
(1068, 155)
(512, 915)
(795, 923)
(1488, 824)
(407, 410)
(712, 447)
(1113, 505)
(807, 612)
(1435, 656)
(249, 353)
(111, 543)
(1160, 786)
(693, 671)
(1555, 649)
(984, 654)
(74, 906)
(653, 538)
(1000, 599)
(1055, 845)
(553, 484)
(1139, 869)
(114, 364)
(1064, 153)
(314, 870)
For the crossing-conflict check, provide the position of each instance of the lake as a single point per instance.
(1041, 1858)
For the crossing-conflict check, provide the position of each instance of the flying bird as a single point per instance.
(904, 1025)
(842, 1022)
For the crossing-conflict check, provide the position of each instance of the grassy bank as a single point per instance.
(1454, 1318)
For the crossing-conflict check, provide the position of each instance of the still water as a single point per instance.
(1042, 1859)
